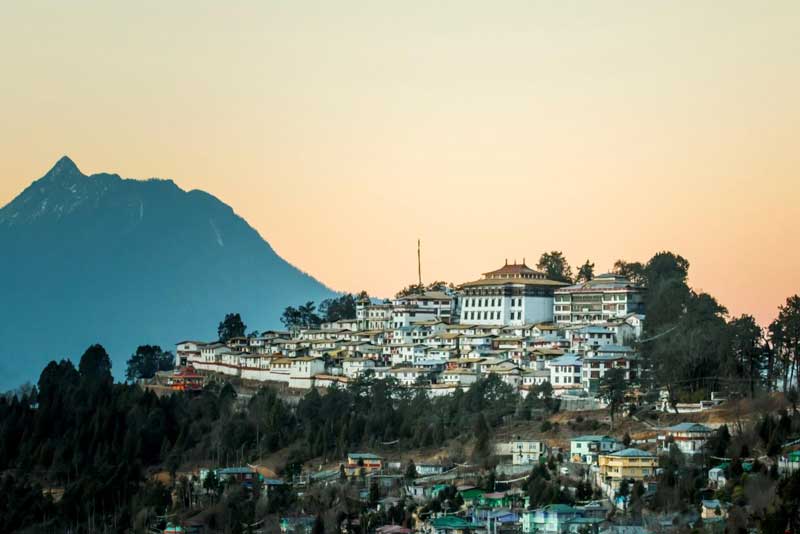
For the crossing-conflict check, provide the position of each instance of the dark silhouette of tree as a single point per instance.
(556, 266)
(612, 390)
(95, 365)
(147, 361)
(633, 271)
(319, 525)
(585, 273)
(411, 470)
(230, 327)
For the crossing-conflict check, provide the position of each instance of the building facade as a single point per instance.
(512, 295)
(605, 297)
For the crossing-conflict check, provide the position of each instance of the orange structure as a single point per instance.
(186, 379)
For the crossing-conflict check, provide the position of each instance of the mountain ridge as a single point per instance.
(101, 258)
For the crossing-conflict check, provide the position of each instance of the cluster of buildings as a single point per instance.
(513, 322)
(601, 459)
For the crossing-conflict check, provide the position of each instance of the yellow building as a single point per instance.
(627, 464)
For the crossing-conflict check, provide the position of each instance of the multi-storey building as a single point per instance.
(605, 297)
(690, 438)
(565, 372)
(586, 449)
(512, 295)
(438, 302)
(524, 452)
(371, 316)
(597, 363)
(627, 464)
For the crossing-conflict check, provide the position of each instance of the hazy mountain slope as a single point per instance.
(124, 262)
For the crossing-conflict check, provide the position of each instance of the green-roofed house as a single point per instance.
(495, 500)
(451, 524)
(471, 496)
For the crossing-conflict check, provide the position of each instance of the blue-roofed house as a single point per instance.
(628, 464)
(565, 373)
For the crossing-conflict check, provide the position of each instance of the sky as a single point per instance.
(344, 131)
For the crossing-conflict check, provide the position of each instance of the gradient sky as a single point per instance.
(343, 131)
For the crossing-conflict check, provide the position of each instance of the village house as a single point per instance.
(627, 464)
(565, 372)
(587, 449)
(605, 297)
(459, 376)
(596, 364)
(362, 463)
(409, 376)
(354, 367)
(712, 510)
(187, 352)
(690, 438)
(550, 519)
(525, 452)
(439, 302)
(371, 316)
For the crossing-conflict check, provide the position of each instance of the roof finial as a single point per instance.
(506, 261)
(523, 260)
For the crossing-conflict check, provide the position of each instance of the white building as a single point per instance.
(586, 449)
(603, 298)
(354, 367)
(565, 372)
(371, 316)
(439, 302)
(459, 376)
(408, 376)
(405, 315)
(524, 452)
(512, 295)
(690, 438)
(187, 352)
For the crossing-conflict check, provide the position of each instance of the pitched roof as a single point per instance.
(566, 359)
(633, 453)
(593, 437)
(514, 270)
(689, 427)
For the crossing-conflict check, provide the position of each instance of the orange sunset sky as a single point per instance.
(343, 131)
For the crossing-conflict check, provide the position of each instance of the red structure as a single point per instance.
(186, 379)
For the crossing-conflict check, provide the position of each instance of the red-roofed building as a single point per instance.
(186, 379)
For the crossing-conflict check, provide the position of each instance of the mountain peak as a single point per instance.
(63, 167)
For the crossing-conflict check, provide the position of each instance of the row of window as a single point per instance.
(491, 302)
(478, 316)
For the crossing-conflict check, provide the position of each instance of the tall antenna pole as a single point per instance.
(419, 264)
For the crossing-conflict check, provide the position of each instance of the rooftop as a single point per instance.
(593, 437)
(632, 453)
(690, 427)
